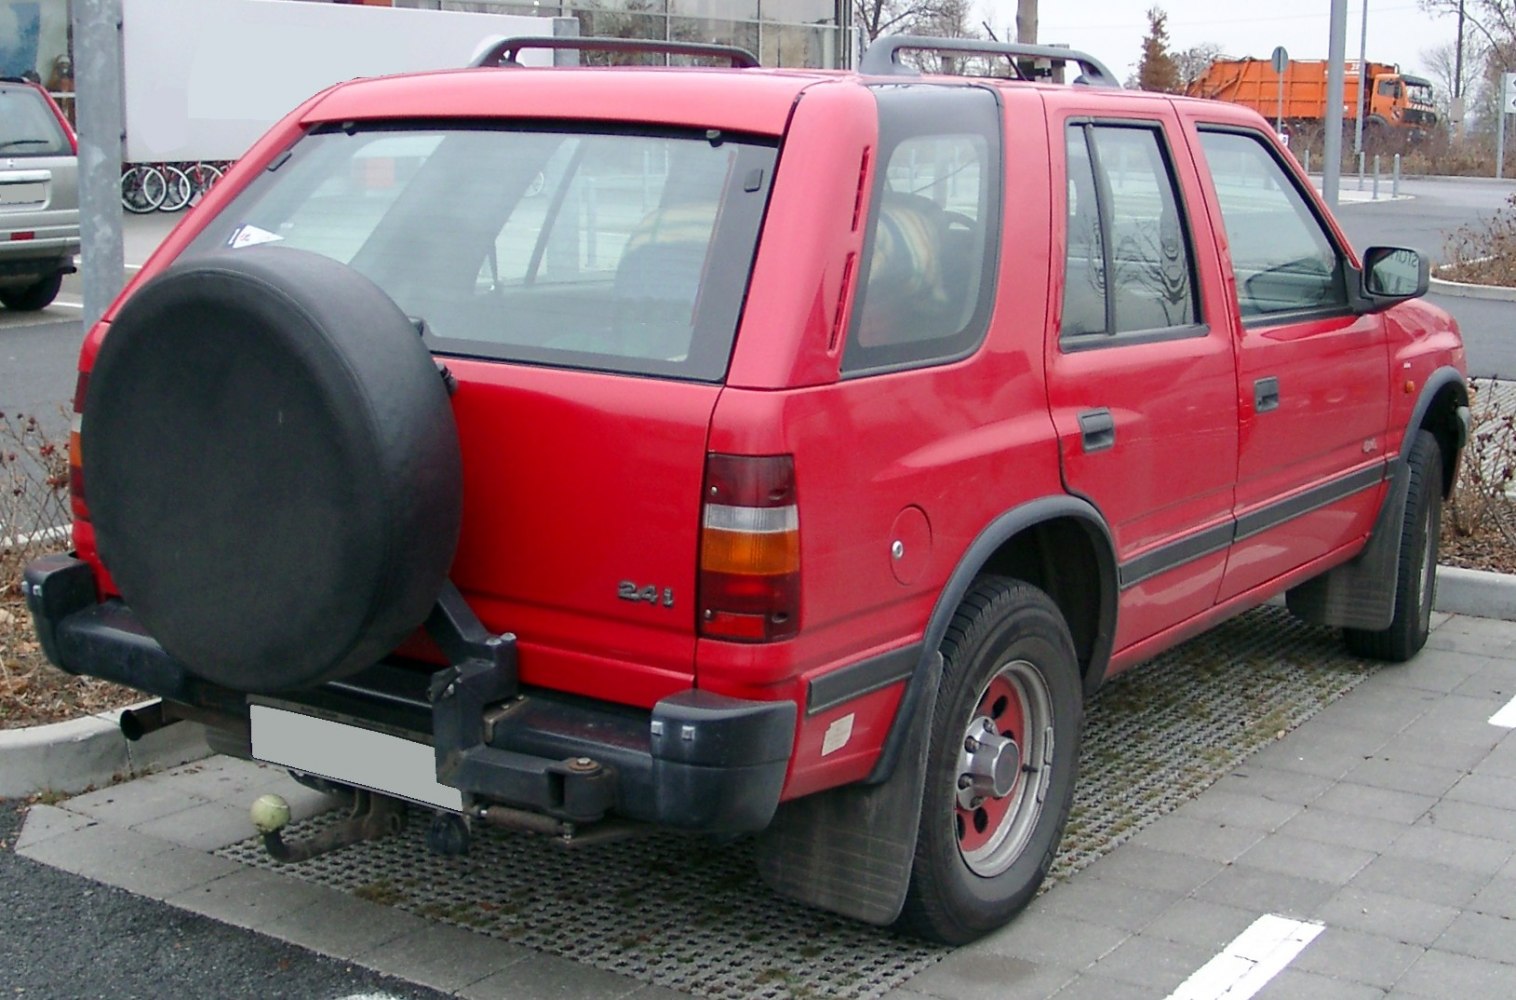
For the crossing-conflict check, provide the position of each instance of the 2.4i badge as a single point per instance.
(629, 591)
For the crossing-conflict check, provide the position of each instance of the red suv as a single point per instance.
(744, 451)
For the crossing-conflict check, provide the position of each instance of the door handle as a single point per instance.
(1266, 394)
(1097, 430)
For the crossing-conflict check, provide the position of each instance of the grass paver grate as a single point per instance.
(684, 913)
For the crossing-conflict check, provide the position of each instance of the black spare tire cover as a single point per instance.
(271, 467)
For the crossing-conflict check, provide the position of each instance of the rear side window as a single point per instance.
(28, 126)
(927, 286)
(615, 251)
(1283, 258)
(1129, 267)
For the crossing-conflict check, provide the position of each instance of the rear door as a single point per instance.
(1141, 376)
(582, 286)
(1313, 377)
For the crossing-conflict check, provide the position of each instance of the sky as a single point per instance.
(1112, 30)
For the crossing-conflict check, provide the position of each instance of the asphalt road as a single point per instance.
(1436, 208)
(68, 937)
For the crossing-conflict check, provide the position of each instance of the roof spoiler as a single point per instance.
(502, 50)
(882, 57)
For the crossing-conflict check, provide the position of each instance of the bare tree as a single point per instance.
(1194, 61)
(892, 17)
(1490, 35)
(1441, 62)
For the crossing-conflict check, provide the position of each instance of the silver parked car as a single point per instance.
(39, 196)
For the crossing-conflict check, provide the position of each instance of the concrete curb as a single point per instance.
(1466, 290)
(74, 755)
(1476, 593)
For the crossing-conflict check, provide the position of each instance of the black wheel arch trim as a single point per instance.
(1436, 382)
(928, 670)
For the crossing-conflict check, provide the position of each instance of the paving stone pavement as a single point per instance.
(1389, 818)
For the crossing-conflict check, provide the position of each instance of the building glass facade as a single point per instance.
(796, 33)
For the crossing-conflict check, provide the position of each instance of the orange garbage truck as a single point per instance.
(1399, 105)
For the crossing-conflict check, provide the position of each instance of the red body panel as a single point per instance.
(557, 512)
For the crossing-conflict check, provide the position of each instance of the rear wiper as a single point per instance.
(24, 142)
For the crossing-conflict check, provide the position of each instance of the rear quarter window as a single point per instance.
(927, 287)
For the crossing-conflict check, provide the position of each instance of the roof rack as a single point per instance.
(502, 51)
(882, 57)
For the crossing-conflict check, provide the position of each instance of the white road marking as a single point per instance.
(68, 303)
(1248, 963)
(1506, 717)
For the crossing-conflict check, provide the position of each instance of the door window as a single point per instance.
(1129, 265)
(1283, 258)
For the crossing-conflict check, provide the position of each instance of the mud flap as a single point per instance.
(850, 850)
(1361, 593)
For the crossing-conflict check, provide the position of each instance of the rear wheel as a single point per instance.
(30, 298)
(1416, 565)
(1002, 763)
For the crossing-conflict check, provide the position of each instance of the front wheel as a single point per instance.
(1416, 564)
(1001, 768)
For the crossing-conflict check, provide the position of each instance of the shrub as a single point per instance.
(1484, 253)
(1483, 505)
(34, 507)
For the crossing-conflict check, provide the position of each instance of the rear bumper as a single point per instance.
(696, 761)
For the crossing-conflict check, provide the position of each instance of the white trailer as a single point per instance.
(203, 80)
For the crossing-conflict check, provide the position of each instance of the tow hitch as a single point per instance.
(373, 817)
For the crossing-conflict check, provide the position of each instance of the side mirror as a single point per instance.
(1393, 274)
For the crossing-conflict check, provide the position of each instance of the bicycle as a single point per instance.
(178, 190)
(201, 177)
(143, 188)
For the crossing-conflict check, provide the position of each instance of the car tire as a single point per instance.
(271, 467)
(30, 298)
(1415, 565)
(992, 817)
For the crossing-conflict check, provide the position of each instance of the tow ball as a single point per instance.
(373, 816)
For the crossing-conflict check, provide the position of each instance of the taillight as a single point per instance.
(750, 549)
(75, 455)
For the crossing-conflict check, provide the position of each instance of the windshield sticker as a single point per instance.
(251, 236)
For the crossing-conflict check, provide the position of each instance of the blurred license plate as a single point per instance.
(376, 761)
(25, 193)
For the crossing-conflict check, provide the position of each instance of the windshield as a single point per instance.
(619, 251)
(28, 126)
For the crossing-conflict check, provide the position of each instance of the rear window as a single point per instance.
(610, 250)
(28, 126)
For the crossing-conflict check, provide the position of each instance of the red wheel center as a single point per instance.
(980, 820)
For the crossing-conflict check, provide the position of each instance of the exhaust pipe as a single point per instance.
(138, 722)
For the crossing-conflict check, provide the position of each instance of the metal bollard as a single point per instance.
(1395, 181)
(1308, 161)
(1376, 177)
(1360, 171)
